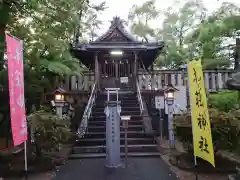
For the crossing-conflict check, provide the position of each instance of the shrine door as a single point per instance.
(116, 74)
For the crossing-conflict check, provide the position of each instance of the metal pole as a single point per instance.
(195, 163)
(126, 145)
(117, 94)
(161, 128)
(25, 160)
(170, 124)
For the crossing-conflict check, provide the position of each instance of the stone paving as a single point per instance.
(137, 169)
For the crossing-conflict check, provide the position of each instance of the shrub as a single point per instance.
(224, 100)
(225, 129)
(49, 131)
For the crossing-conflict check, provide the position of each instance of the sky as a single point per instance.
(121, 8)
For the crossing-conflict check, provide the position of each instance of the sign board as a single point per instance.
(124, 79)
(202, 136)
(159, 102)
(16, 90)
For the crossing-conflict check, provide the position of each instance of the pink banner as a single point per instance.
(16, 90)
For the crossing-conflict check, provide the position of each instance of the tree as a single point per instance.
(213, 36)
(92, 21)
(47, 29)
(189, 33)
(176, 26)
(139, 18)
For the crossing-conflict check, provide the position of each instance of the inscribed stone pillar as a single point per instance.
(112, 111)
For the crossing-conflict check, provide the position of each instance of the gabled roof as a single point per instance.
(118, 27)
(117, 38)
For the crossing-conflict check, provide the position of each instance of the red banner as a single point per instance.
(16, 89)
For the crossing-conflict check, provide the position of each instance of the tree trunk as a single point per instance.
(2, 44)
(237, 54)
(5, 12)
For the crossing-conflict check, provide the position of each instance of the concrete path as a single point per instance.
(94, 169)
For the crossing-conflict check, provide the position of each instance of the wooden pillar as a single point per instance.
(135, 76)
(96, 70)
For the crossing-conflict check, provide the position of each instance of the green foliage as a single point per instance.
(225, 130)
(50, 131)
(224, 100)
(139, 18)
(47, 27)
(190, 33)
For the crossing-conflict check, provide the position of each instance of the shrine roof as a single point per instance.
(118, 27)
(117, 38)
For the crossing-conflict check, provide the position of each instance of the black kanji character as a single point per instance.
(202, 122)
(198, 95)
(196, 78)
(195, 75)
(203, 144)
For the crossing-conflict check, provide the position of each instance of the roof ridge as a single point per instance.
(116, 23)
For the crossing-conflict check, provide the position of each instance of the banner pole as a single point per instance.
(25, 160)
(188, 92)
(195, 164)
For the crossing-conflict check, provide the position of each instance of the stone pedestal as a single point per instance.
(59, 109)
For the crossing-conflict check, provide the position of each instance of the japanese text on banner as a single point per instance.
(202, 137)
(16, 90)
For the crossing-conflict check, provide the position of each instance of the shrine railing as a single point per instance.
(158, 79)
(214, 80)
(84, 82)
(139, 95)
(88, 110)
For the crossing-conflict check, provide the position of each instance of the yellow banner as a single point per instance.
(202, 136)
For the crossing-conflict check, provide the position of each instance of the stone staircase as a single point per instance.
(93, 144)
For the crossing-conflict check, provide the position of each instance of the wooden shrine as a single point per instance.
(116, 56)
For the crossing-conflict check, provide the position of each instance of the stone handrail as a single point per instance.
(88, 110)
(139, 95)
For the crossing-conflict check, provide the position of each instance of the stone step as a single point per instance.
(123, 108)
(102, 118)
(102, 141)
(102, 106)
(131, 134)
(122, 99)
(128, 104)
(101, 113)
(103, 123)
(103, 155)
(102, 128)
(102, 149)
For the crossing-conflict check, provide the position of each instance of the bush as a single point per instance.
(224, 100)
(225, 129)
(49, 131)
